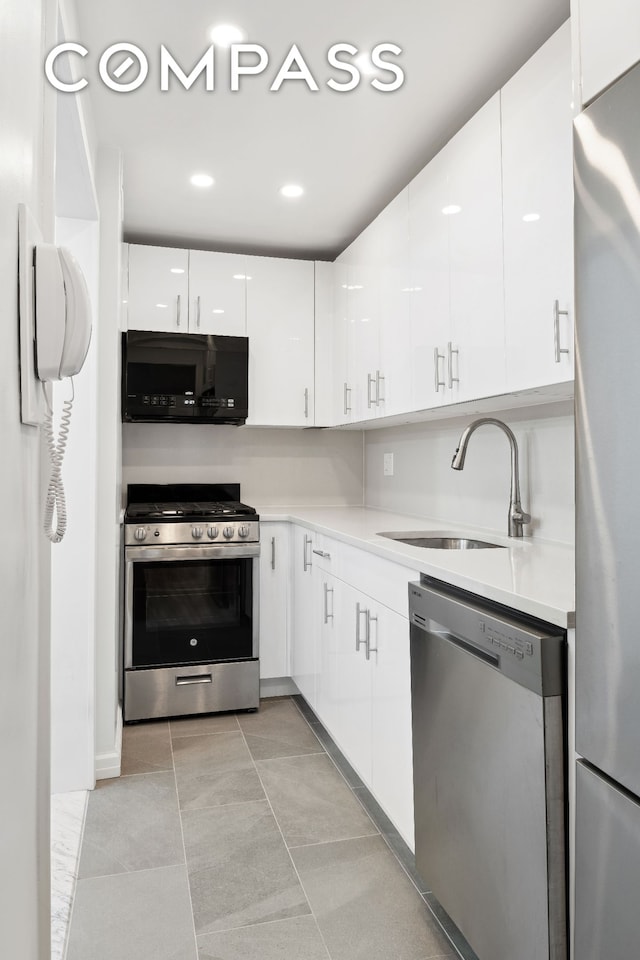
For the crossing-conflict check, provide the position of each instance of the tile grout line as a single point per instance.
(273, 814)
(184, 849)
(322, 843)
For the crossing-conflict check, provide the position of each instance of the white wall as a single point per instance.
(273, 466)
(425, 485)
(73, 568)
(26, 175)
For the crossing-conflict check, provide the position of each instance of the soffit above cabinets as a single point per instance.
(352, 151)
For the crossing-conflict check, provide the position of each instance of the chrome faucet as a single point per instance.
(517, 516)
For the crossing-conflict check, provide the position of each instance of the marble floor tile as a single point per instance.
(240, 872)
(278, 730)
(311, 801)
(198, 726)
(146, 748)
(67, 820)
(133, 823)
(295, 939)
(365, 906)
(133, 916)
(215, 770)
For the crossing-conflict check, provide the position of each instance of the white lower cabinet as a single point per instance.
(304, 621)
(274, 574)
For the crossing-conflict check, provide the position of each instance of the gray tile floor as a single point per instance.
(244, 837)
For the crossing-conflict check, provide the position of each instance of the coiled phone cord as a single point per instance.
(55, 502)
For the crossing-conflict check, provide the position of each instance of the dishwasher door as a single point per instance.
(489, 773)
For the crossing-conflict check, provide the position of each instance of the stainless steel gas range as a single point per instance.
(190, 625)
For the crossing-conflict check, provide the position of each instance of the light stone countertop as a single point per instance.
(534, 576)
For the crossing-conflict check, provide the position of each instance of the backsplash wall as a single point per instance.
(425, 485)
(273, 466)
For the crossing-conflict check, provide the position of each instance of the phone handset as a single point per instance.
(63, 333)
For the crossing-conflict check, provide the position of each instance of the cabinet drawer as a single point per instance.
(383, 580)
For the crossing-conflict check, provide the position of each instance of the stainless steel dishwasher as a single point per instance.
(489, 783)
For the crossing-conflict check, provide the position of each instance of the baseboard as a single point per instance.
(108, 764)
(278, 687)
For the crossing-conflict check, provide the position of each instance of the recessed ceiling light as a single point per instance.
(531, 217)
(217, 311)
(452, 208)
(291, 190)
(163, 306)
(225, 34)
(177, 270)
(201, 180)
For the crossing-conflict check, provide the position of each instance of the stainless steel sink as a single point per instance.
(439, 541)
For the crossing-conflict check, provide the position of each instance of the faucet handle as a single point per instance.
(520, 516)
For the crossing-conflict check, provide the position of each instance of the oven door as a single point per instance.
(189, 605)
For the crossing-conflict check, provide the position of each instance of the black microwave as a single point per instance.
(184, 378)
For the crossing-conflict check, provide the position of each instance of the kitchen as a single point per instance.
(400, 466)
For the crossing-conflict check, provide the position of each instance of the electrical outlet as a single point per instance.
(388, 464)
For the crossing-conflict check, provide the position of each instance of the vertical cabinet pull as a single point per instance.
(178, 311)
(306, 561)
(437, 357)
(198, 312)
(273, 553)
(379, 379)
(347, 398)
(306, 402)
(368, 650)
(370, 382)
(327, 590)
(450, 353)
(557, 313)
(359, 612)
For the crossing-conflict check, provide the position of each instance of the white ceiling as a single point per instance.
(352, 151)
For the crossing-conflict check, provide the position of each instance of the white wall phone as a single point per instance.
(55, 331)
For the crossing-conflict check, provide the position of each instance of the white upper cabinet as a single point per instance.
(475, 360)
(342, 405)
(158, 288)
(217, 293)
(363, 313)
(325, 373)
(392, 229)
(280, 327)
(609, 41)
(537, 169)
(429, 296)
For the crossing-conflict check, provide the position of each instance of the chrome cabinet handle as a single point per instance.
(450, 353)
(306, 402)
(437, 357)
(327, 590)
(306, 562)
(557, 313)
(379, 380)
(359, 612)
(347, 399)
(370, 382)
(368, 650)
(178, 311)
(198, 312)
(273, 553)
(321, 553)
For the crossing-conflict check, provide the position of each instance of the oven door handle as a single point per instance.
(227, 551)
(195, 678)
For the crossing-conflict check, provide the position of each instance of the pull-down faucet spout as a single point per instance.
(517, 516)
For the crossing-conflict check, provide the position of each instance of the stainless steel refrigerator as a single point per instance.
(607, 180)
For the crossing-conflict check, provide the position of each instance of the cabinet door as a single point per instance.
(392, 758)
(325, 372)
(342, 385)
(430, 308)
(304, 667)
(158, 288)
(280, 326)
(609, 42)
(274, 600)
(537, 171)
(217, 293)
(363, 308)
(475, 237)
(394, 390)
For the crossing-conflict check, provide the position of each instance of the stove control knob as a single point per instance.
(196, 532)
(212, 532)
(140, 533)
(244, 530)
(228, 532)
